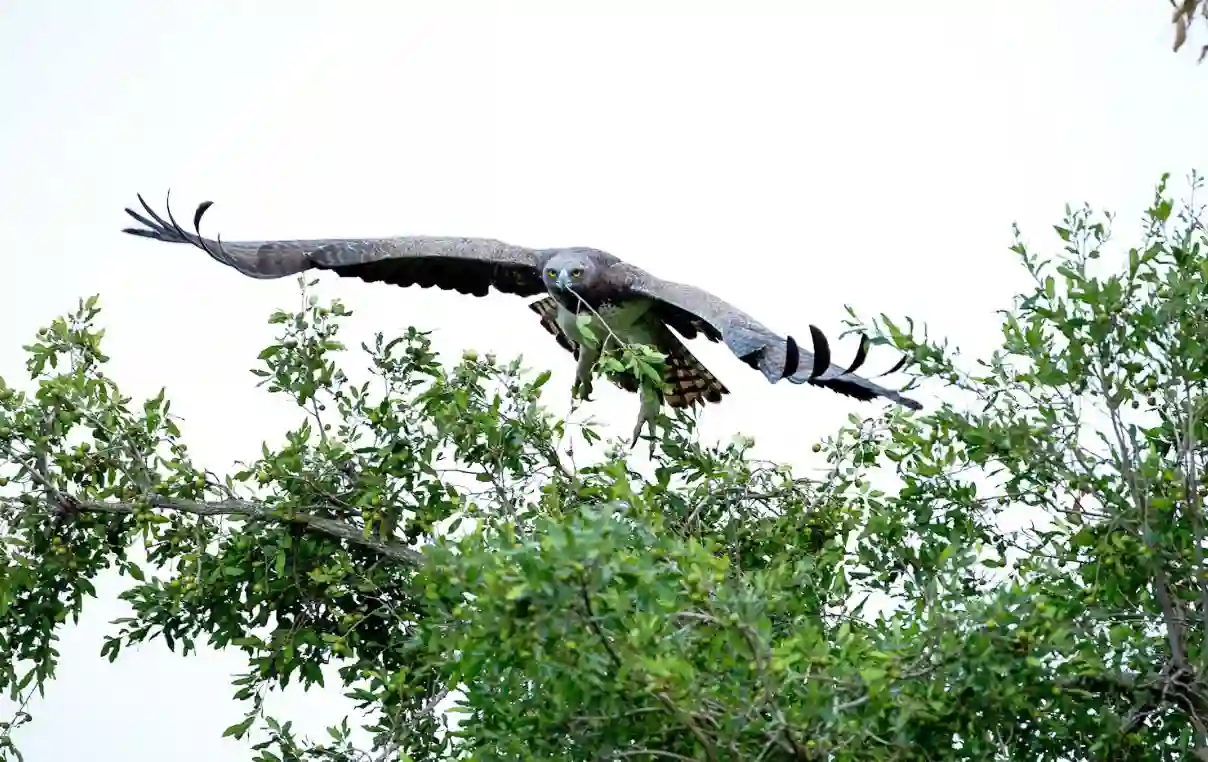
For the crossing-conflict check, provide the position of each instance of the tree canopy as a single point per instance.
(485, 593)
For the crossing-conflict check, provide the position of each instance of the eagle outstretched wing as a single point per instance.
(475, 265)
(467, 265)
(691, 310)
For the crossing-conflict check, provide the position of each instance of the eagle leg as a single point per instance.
(582, 386)
(648, 415)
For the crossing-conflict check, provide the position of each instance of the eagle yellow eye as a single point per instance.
(551, 273)
(576, 273)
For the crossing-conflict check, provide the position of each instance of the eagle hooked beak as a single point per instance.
(564, 280)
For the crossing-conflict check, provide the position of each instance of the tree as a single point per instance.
(425, 530)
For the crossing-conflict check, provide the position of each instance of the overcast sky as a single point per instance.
(793, 157)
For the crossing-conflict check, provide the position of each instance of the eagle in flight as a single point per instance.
(619, 301)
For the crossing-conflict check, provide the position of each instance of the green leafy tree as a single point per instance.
(483, 592)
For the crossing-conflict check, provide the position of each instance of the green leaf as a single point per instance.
(239, 729)
(583, 323)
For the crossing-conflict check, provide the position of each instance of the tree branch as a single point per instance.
(330, 527)
(1194, 506)
(1160, 586)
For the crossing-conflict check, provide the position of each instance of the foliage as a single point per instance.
(427, 534)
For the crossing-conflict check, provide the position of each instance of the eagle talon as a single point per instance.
(637, 434)
(581, 391)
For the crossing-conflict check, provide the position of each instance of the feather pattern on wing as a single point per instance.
(466, 265)
(777, 357)
(689, 381)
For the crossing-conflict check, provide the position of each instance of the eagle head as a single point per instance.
(570, 270)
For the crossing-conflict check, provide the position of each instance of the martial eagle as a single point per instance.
(635, 306)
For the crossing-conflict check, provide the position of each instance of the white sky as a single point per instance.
(793, 157)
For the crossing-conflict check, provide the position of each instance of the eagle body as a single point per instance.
(610, 326)
(618, 302)
(627, 322)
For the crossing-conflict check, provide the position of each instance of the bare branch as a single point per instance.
(330, 527)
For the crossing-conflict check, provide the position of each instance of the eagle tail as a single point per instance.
(689, 380)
